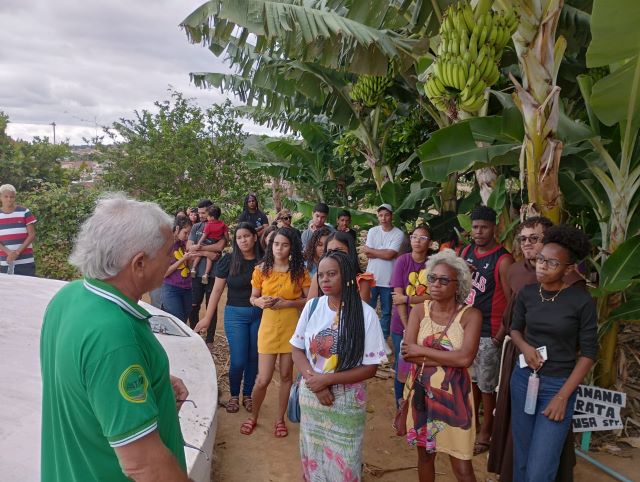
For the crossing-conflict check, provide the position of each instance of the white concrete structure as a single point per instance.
(22, 304)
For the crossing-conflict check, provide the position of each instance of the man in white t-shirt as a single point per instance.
(382, 248)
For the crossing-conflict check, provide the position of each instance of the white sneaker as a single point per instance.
(387, 349)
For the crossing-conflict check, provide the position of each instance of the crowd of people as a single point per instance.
(468, 329)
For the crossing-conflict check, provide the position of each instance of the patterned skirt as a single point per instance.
(331, 437)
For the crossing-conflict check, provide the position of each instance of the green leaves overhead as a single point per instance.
(623, 265)
(309, 33)
(454, 148)
(616, 43)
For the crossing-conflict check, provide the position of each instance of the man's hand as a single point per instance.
(180, 391)
(12, 255)
(366, 250)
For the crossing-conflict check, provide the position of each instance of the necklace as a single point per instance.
(553, 298)
(332, 307)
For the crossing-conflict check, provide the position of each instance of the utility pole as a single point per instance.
(54, 132)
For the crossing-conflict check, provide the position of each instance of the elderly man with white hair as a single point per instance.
(109, 404)
(17, 232)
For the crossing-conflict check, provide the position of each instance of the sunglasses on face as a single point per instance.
(444, 280)
(285, 218)
(415, 237)
(551, 263)
(533, 239)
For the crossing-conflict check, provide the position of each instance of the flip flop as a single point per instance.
(280, 429)
(248, 426)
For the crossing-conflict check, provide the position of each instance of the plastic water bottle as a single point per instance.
(532, 394)
(11, 268)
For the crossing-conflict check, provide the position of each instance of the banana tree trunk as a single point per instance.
(449, 194)
(538, 98)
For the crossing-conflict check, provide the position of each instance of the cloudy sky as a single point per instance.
(86, 64)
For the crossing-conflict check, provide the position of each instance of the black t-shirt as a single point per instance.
(256, 219)
(239, 285)
(564, 326)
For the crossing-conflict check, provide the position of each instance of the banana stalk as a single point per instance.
(538, 98)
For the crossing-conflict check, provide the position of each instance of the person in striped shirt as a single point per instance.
(17, 232)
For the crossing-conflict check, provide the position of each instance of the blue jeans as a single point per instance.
(398, 387)
(537, 441)
(385, 307)
(27, 269)
(176, 301)
(241, 327)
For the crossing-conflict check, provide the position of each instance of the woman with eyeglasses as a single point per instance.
(409, 285)
(343, 241)
(441, 342)
(563, 319)
(337, 346)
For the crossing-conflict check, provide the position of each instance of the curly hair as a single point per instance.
(351, 332)
(310, 249)
(570, 238)
(296, 261)
(534, 221)
(459, 265)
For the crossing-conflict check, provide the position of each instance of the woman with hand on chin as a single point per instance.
(563, 319)
(279, 287)
(441, 341)
(337, 345)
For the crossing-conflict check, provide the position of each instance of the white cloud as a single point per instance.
(79, 64)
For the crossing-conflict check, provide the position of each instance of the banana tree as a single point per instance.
(614, 101)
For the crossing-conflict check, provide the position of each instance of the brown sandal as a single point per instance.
(247, 403)
(280, 429)
(248, 426)
(233, 405)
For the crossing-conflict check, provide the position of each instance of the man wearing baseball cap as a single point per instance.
(382, 248)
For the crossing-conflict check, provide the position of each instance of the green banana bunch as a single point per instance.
(369, 89)
(468, 55)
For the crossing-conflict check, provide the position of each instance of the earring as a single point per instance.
(290, 257)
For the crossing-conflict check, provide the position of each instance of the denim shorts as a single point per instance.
(486, 366)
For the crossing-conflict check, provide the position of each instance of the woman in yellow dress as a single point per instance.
(441, 341)
(279, 286)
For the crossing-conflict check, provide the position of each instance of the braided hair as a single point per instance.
(351, 331)
(296, 261)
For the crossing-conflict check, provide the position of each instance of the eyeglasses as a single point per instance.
(533, 239)
(285, 218)
(444, 281)
(415, 237)
(551, 263)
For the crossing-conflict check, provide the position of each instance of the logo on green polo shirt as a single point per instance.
(133, 384)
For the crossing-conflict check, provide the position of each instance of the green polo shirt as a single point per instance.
(105, 383)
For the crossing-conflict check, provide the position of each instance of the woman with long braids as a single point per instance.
(279, 286)
(563, 319)
(343, 241)
(337, 346)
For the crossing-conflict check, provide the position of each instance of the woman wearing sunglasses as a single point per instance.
(563, 319)
(409, 285)
(441, 342)
(284, 220)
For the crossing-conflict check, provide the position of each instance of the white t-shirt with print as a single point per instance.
(377, 238)
(318, 336)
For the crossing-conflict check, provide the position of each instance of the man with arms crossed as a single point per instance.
(489, 262)
(109, 404)
(382, 248)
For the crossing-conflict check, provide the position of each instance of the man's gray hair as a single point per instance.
(7, 188)
(459, 265)
(118, 229)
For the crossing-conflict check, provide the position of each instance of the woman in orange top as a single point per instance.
(279, 286)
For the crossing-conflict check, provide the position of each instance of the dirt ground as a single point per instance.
(261, 457)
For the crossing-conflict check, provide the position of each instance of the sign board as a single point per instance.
(598, 409)
(590, 423)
